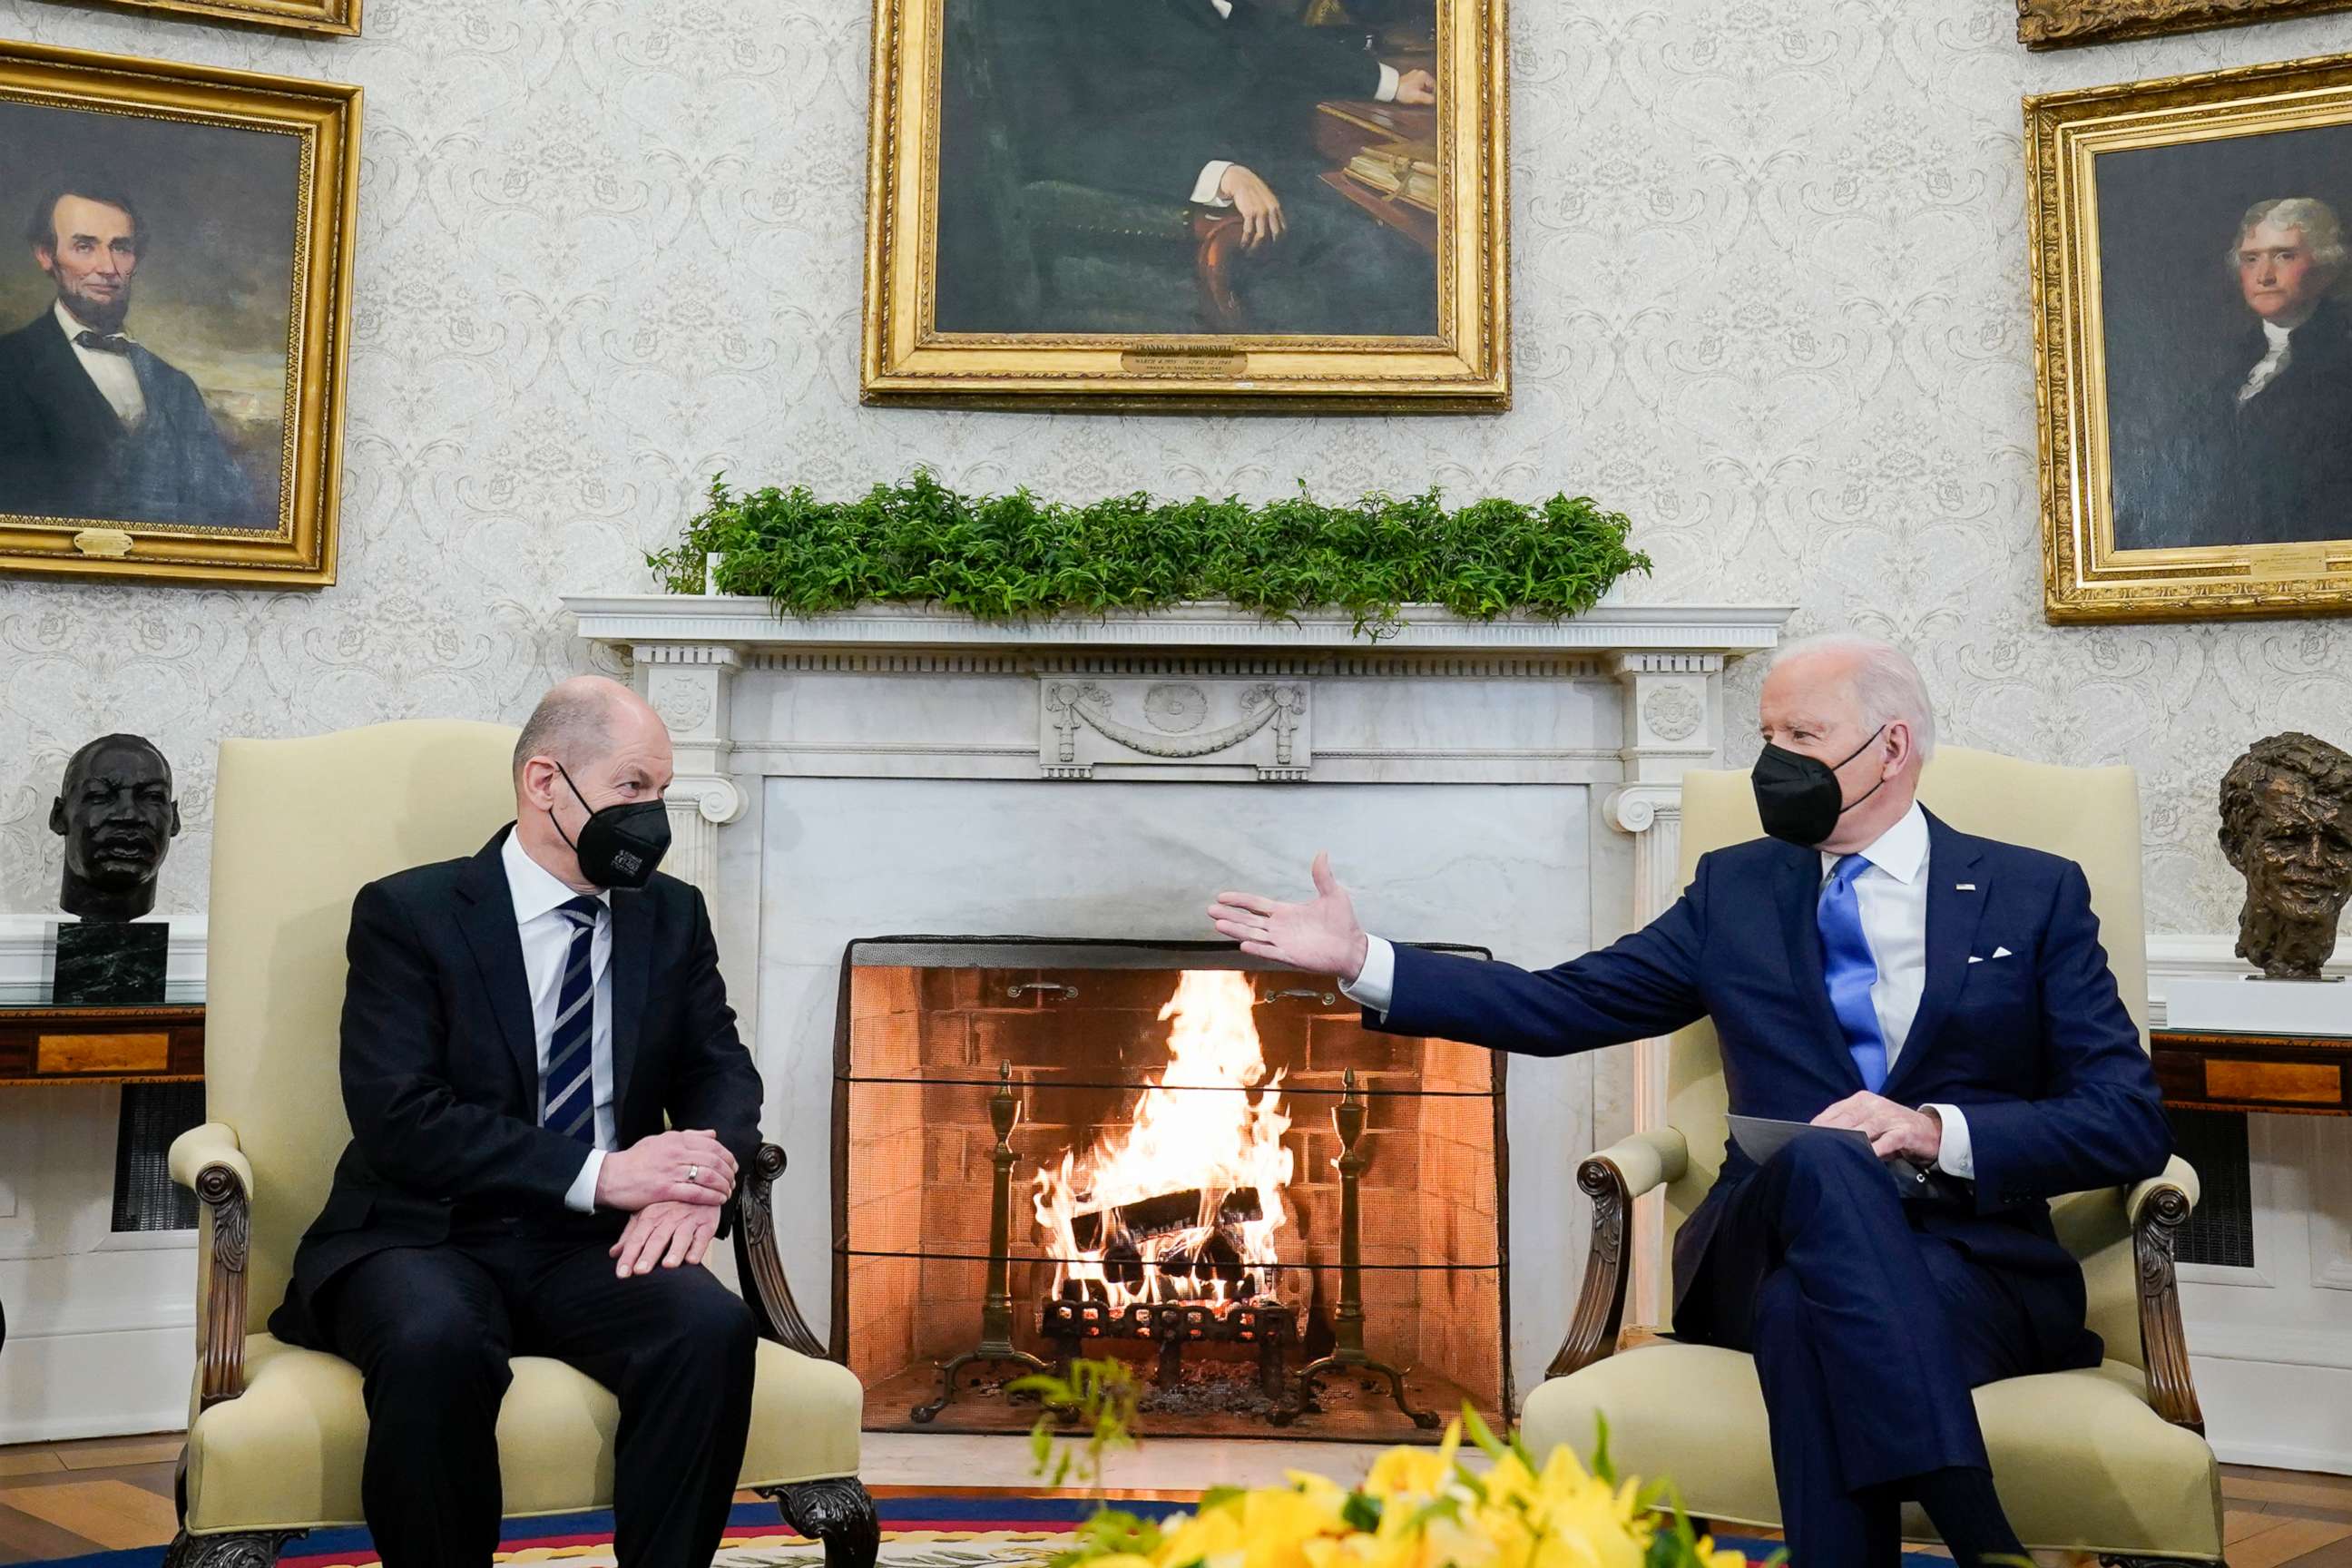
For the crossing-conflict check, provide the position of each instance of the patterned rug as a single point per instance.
(1002, 1529)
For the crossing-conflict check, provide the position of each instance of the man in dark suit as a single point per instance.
(1867, 968)
(1212, 102)
(2263, 454)
(517, 1026)
(93, 424)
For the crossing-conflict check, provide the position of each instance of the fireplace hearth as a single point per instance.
(1169, 1153)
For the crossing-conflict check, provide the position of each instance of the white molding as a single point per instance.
(752, 623)
(2277, 1344)
(2204, 957)
(78, 1319)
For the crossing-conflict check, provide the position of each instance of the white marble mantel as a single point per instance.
(895, 769)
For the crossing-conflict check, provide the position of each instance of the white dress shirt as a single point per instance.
(1212, 173)
(2280, 350)
(546, 942)
(115, 377)
(1893, 897)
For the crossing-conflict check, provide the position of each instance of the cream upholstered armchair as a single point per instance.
(2110, 1461)
(275, 1433)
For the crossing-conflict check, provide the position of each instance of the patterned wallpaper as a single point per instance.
(1770, 300)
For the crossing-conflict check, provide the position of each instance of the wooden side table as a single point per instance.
(2212, 1069)
(42, 1045)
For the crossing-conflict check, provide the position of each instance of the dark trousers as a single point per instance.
(1336, 269)
(431, 1329)
(1868, 1333)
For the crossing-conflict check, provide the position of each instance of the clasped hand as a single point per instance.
(673, 1185)
(1895, 1131)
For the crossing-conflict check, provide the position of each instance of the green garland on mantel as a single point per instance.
(1017, 558)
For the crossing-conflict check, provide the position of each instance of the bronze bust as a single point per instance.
(116, 812)
(2286, 827)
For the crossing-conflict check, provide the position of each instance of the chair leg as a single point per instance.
(838, 1512)
(259, 1550)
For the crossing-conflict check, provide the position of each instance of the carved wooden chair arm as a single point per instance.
(2157, 1209)
(1220, 237)
(1613, 1179)
(207, 1161)
(758, 1264)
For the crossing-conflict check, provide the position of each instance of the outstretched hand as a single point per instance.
(1320, 936)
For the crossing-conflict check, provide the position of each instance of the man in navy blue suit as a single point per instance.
(1867, 967)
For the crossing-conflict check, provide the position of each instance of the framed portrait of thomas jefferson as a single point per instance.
(174, 295)
(2193, 327)
(1188, 204)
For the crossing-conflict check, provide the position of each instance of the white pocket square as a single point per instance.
(1997, 952)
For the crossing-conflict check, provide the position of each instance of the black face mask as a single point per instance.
(620, 843)
(1798, 796)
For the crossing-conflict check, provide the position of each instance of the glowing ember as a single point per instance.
(1224, 1144)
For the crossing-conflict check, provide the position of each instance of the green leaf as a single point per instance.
(1361, 1512)
(1473, 1426)
(1222, 1497)
(1603, 1466)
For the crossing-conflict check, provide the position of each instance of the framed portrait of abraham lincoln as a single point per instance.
(175, 297)
(1188, 204)
(2192, 296)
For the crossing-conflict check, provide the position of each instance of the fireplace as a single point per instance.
(1169, 1153)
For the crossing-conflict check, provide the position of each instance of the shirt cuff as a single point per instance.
(1958, 1157)
(1204, 189)
(1388, 88)
(582, 1198)
(1375, 987)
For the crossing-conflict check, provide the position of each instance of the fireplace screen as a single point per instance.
(1169, 1153)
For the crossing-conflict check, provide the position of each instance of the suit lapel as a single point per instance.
(1956, 891)
(1797, 888)
(631, 961)
(85, 418)
(485, 914)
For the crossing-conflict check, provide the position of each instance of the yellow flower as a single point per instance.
(1277, 1524)
(1417, 1472)
(1205, 1535)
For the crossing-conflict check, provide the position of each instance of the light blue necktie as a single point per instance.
(1851, 972)
(570, 1082)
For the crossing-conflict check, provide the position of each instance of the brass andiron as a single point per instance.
(996, 1312)
(1348, 1323)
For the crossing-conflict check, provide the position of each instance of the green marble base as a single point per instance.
(111, 963)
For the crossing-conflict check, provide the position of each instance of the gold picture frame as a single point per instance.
(2190, 454)
(339, 18)
(2063, 24)
(1074, 281)
(197, 434)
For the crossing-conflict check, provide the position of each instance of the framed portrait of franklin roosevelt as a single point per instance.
(1205, 205)
(2192, 296)
(174, 298)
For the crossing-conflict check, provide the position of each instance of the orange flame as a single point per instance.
(1195, 1126)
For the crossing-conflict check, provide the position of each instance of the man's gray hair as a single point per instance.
(571, 724)
(1886, 684)
(2323, 233)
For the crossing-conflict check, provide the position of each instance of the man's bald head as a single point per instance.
(589, 743)
(578, 721)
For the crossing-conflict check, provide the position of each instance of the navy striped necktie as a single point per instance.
(568, 1086)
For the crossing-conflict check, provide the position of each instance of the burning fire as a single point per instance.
(1183, 1203)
